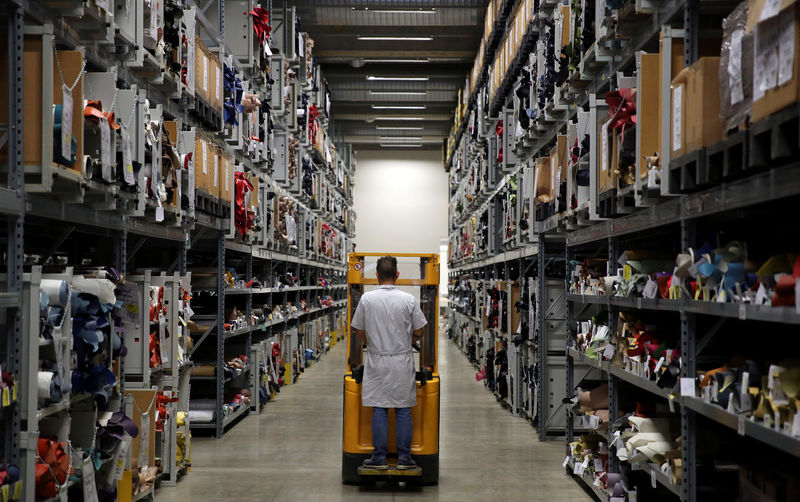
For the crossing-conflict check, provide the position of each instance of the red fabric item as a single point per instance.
(498, 129)
(243, 217)
(313, 125)
(261, 24)
(622, 109)
(155, 350)
(53, 466)
(161, 402)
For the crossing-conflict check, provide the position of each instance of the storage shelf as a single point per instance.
(586, 479)
(237, 332)
(516, 254)
(743, 311)
(754, 430)
(581, 358)
(640, 382)
(225, 422)
(661, 478)
(148, 493)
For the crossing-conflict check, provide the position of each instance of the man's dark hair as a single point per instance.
(387, 268)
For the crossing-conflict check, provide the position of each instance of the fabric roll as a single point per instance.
(57, 291)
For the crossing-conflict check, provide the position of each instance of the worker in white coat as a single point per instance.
(388, 321)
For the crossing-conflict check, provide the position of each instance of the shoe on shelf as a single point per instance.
(406, 463)
(378, 464)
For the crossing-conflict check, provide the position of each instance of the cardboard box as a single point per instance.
(558, 156)
(605, 152)
(143, 399)
(226, 177)
(542, 179)
(648, 113)
(200, 161)
(704, 126)
(213, 168)
(201, 69)
(786, 88)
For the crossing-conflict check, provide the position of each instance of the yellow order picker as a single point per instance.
(357, 430)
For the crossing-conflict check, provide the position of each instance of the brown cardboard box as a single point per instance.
(704, 126)
(542, 175)
(214, 81)
(213, 169)
(201, 69)
(678, 122)
(226, 177)
(605, 153)
(143, 398)
(780, 96)
(125, 487)
(558, 158)
(648, 115)
(200, 164)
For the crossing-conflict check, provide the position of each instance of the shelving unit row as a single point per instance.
(605, 146)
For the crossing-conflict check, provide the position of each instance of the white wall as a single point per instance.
(400, 199)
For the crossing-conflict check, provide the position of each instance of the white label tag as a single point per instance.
(604, 148)
(205, 157)
(598, 465)
(144, 442)
(66, 123)
(227, 175)
(565, 462)
(688, 387)
(740, 426)
(105, 151)
(219, 80)
(650, 289)
(154, 20)
(742, 311)
(89, 487)
(162, 331)
(677, 96)
(735, 67)
(127, 162)
(796, 425)
(659, 364)
(102, 4)
(205, 73)
(671, 403)
(786, 47)
(216, 170)
(608, 352)
(594, 421)
(765, 68)
(653, 479)
(120, 459)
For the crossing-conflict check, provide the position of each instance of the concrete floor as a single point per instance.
(292, 451)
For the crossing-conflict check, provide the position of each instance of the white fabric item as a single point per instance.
(388, 316)
(642, 424)
(103, 289)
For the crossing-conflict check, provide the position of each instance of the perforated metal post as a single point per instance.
(220, 421)
(688, 368)
(541, 346)
(613, 317)
(691, 34)
(570, 379)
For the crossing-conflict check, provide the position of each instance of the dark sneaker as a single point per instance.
(405, 464)
(376, 463)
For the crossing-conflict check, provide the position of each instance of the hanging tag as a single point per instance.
(598, 465)
(162, 329)
(89, 487)
(671, 403)
(121, 458)
(66, 122)
(105, 151)
(740, 429)
(659, 364)
(4, 490)
(17, 490)
(608, 352)
(159, 213)
(565, 462)
(127, 163)
(687, 387)
(216, 170)
(189, 312)
(6, 397)
(144, 442)
(15, 391)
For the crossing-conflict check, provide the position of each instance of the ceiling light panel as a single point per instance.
(396, 39)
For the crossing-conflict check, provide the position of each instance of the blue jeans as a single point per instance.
(380, 432)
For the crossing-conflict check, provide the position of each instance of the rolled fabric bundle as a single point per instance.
(594, 399)
(103, 289)
(44, 384)
(57, 291)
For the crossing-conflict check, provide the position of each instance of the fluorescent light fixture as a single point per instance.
(392, 93)
(396, 11)
(390, 107)
(400, 138)
(397, 39)
(401, 145)
(386, 117)
(399, 79)
(386, 128)
(421, 60)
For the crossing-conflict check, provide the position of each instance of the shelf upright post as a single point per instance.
(688, 369)
(11, 422)
(541, 346)
(691, 34)
(220, 381)
(613, 318)
(570, 363)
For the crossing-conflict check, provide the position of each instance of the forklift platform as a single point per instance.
(392, 471)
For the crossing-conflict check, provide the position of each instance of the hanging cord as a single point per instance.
(147, 411)
(60, 71)
(132, 113)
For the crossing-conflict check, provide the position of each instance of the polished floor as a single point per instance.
(292, 450)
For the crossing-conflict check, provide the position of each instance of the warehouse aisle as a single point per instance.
(292, 451)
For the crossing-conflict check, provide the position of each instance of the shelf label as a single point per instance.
(144, 442)
(608, 352)
(740, 427)
(677, 96)
(89, 487)
(105, 151)
(742, 312)
(66, 123)
(653, 480)
(598, 465)
(127, 163)
(688, 387)
(120, 459)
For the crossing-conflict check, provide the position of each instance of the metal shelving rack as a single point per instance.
(89, 213)
(768, 179)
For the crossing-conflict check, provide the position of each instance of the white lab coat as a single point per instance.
(388, 315)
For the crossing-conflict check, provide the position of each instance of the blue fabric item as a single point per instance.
(44, 302)
(734, 275)
(12, 473)
(57, 157)
(709, 270)
(380, 432)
